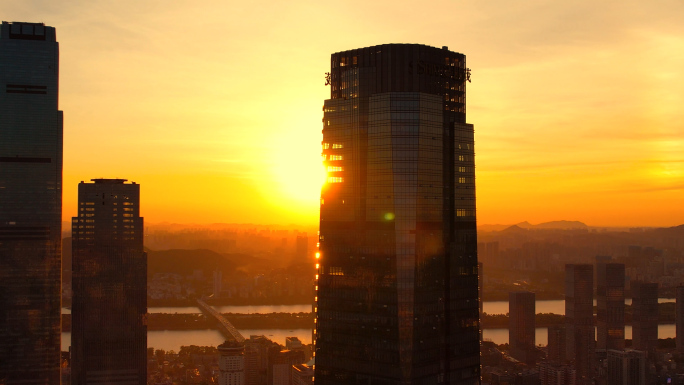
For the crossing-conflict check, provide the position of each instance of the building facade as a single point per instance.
(30, 204)
(579, 319)
(231, 363)
(626, 367)
(302, 374)
(610, 301)
(644, 316)
(552, 373)
(679, 313)
(556, 350)
(397, 289)
(109, 322)
(521, 313)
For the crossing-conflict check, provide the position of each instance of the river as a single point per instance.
(174, 339)
(500, 336)
(556, 306)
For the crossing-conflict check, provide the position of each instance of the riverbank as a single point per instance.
(164, 321)
(304, 320)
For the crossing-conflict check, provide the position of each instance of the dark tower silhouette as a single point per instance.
(521, 313)
(30, 204)
(109, 328)
(679, 314)
(644, 316)
(610, 301)
(579, 319)
(397, 299)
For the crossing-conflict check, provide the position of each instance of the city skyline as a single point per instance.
(569, 117)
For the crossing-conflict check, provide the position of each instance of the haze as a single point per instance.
(215, 107)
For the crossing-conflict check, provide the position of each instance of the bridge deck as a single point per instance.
(225, 327)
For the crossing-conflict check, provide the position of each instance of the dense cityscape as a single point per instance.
(398, 284)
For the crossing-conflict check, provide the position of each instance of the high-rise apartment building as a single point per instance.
(30, 204)
(302, 374)
(552, 373)
(579, 319)
(231, 363)
(626, 367)
(679, 313)
(257, 352)
(557, 344)
(521, 313)
(610, 301)
(109, 325)
(644, 316)
(397, 289)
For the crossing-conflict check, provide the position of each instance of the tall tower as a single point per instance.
(610, 301)
(109, 328)
(644, 316)
(579, 319)
(30, 204)
(397, 299)
(679, 314)
(521, 312)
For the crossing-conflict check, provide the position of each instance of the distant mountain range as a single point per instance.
(553, 225)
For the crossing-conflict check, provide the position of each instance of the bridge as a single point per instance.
(225, 327)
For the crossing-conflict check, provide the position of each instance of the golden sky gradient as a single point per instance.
(214, 107)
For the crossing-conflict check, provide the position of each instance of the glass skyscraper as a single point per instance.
(30, 204)
(397, 289)
(109, 327)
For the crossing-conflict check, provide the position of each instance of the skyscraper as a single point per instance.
(679, 313)
(610, 301)
(557, 347)
(231, 363)
(626, 367)
(521, 312)
(109, 328)
(579, 319)
(644, 316)
(397, 299)
(30, 204)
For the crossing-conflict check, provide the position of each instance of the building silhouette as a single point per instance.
(109, 328)
(302, 247)
(679, 313)
(557, 344)
(521, 313)
(579, 319)
(30, 204)
(644, 316)
(626, 367)
(397, 289)
(610, 301)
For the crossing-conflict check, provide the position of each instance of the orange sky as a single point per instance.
(215, 109)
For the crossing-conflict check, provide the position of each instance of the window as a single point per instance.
(335, 179)
(326, 146)
(337, 145)
(335, 168)
(336, 157)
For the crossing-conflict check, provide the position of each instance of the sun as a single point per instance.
(299, 174)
